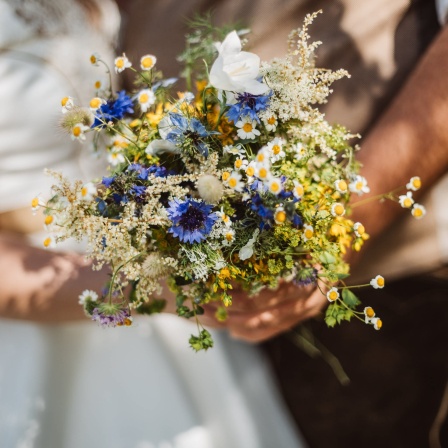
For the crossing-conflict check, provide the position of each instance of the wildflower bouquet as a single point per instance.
(240, 184)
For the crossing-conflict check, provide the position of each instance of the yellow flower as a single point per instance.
(418, 212)
(147, 62)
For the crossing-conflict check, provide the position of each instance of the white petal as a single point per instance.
(158, 146)
(231, 44)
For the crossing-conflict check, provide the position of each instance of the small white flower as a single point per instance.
(95, 59)
(250, 171)
(49, 242)
(78, 131)
(308, 232)
(160, 146)
(96, 103)
(263, 173)
(67, 104)
(270, 123)
(248, 250)
(121, 63)
(332, 295)
(225, 218)
(48, 221)
(146, 99)
(418, 211)
(115, 157)
(279, 215)
(378, 282)
(262, 157)
(337, 209)
(377, 323)
(147, 62)
(247, 128)
(235, 150)
(275, 147)
(100, 85)
(414, 183)
(37, 203)
(240, 164)
(359, 185)
(234, 181)
(369, 314)
(406, 200)
(359, 229)
(235, 70)
(88, 192)
(298, 190)
(299, 151)
(275, 185)
(88, 295)
(229, 236)
(341, 186)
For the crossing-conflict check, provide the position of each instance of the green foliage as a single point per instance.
(153, 307)
(335, 314)
(202, 342)
(349, 298)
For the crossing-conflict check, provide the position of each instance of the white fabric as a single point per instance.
(79, 385)
(442, 10)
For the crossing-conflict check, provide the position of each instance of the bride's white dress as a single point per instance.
(79, 385)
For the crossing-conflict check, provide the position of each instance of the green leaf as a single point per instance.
(202, 342)
(342, 276)
(154, 307)
(327, 258)
(349, 298)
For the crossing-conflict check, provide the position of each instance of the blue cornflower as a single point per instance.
(247, 105)
(108, 181)
(191, 129)
(114, 109)
(192, 220)
(140, 169)
(138, 190)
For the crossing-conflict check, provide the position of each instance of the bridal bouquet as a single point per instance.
(237, 182)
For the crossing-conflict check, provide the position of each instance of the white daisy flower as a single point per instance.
(332, 295)
(418, 211)
(275, 148)
(234, 181)
(49, 242)
(67, 104)
(147, 62)
(275, 185)
(279, 215)
(308, 232)
(337, 209)
(229, 236)
(377, 323)
(359, 229)
(378, 282)
(235, 150)
(341, 186)
(87, 295)
(263, 173)
(49, 219)
(369, 314)
(118, 142)
(100, 85)
(96, 103)
(247, 128)
(146, 99)
(298, 190)
(95, 59)
(262, 157)
(115, 157)
(406, 200)
(240, 164)
(121, 63)
(270, 123)
(250, 170)
(299, 151)
(78, 131)
(414, 183)
(225, 218)
(37, 203)
(359, 185)
(88, 192)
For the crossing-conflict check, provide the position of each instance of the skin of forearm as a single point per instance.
(411, 138)
(40, 285)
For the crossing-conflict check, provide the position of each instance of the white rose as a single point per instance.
(235, 70)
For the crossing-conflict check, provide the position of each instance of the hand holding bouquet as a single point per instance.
(242, 182)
